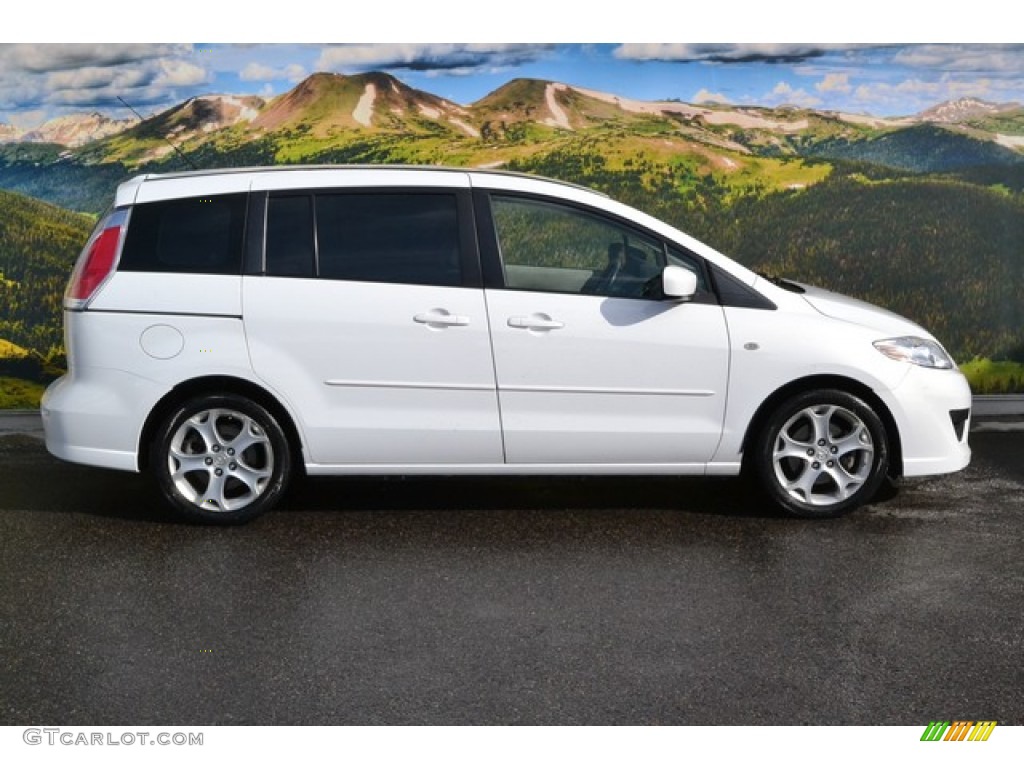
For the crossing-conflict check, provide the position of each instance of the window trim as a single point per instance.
(254, 247)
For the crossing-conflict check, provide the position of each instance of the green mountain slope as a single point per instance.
(921, 148)
(40, 171)
(946, 254)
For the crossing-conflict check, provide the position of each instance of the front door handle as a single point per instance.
(440, 318)
(536, 322)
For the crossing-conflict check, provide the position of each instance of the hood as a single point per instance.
(860, 312)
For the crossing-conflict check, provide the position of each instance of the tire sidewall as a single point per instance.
(279, 444)
(764, 463)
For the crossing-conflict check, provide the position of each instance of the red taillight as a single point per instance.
(97, 265)
(96, 262)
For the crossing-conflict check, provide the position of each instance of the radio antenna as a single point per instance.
(181, 154)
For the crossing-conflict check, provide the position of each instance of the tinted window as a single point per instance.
(290, 250)
(389, 238)
(202, 235)
(551, 247)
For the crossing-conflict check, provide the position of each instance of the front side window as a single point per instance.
(200, 235)
(551, 247)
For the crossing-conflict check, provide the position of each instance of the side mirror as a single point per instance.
(678, 284)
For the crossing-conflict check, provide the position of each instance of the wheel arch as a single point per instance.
(825, 381)
(208, 385)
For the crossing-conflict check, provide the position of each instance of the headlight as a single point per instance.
(911, 349)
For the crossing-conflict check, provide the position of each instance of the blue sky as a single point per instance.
(38, 82)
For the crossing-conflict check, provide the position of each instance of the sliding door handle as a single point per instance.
(440, 318)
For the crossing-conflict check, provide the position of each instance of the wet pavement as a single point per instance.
(500, 601)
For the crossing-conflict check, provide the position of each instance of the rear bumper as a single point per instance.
(932, 411)
(95, 417)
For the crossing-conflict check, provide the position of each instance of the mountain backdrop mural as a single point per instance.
(922, 212)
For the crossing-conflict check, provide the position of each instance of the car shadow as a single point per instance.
(32, 480)
(716, 496)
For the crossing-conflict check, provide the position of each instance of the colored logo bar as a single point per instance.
(959, 730)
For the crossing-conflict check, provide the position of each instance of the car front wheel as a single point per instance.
(822, 454)
(221, 459)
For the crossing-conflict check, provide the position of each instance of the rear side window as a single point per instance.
(381, 237)
(290, 248)
(201, 235)
(389, 238)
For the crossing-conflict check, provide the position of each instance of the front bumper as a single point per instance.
(932, 412)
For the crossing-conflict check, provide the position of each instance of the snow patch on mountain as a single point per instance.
(76, 129)
(363, 112)
(558, 117)
(1013, 142)
(429, 111)
(959, 110)
(468, 129)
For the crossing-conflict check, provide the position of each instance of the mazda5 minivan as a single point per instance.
(227, 329)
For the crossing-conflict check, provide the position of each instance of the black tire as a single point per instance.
(822, 454)
(221, 458)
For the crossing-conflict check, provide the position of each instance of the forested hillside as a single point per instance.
(922, 148)
(38, 246)
(38, 170)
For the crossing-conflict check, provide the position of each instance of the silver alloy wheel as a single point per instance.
(220, 460)
(823, 455)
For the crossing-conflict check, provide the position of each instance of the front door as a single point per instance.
(592, 367)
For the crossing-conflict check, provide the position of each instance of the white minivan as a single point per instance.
(226, 329)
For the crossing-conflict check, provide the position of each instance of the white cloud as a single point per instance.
(704, 95)
(27, 120)
(426, 57)
(92, 78)
(178, 73)
(996, 60)
(61, 77)
(256, 71)
(834, 82)
(915, 94)
(725, 52)
(784, 93)
(50, 57)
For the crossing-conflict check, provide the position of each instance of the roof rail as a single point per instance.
(361, 167)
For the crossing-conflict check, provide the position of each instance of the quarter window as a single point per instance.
(200, 235)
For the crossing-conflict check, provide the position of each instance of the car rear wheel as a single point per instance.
(822, 454)
(221, 459)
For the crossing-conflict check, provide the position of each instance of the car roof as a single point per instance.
(165, 186)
